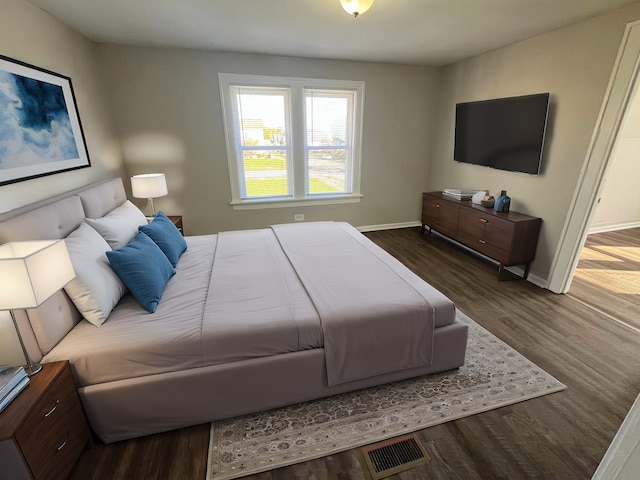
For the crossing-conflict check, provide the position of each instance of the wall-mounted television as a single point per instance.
(503, 133)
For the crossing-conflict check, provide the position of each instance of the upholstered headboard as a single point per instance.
(43, 327)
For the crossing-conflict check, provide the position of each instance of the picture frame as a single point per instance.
(40, 129)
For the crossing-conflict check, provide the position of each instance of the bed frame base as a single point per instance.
(132, 408)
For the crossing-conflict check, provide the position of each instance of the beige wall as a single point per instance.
(573, 64)
(167, 114)
(620, 199)
(30, 35)
(169, 98)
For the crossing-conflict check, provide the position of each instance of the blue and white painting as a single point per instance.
(40, 130)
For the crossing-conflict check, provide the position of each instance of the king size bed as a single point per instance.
(250, 320)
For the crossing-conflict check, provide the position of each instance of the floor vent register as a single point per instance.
(396, 455)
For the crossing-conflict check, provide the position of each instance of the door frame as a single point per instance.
(595, 168)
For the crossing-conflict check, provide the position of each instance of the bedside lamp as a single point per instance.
(30, 273)
(149, 186)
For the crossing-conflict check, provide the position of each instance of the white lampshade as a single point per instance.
(356, 7)
(149, 185)
(30, 272)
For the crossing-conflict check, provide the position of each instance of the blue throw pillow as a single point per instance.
(144, 269)
(165, 234)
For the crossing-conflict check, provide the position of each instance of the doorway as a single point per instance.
(592, 179)
(607, 278)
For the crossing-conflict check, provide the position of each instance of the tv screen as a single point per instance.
(505, 133)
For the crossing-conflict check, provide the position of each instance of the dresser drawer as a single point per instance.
(55, 432)
(486, 233)
(441, 215)
(508, 237)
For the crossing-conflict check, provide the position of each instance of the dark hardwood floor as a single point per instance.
(559, 436)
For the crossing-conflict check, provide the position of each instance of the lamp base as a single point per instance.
(32, 369)
(152, 209)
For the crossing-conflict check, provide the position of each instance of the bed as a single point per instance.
(250, 320)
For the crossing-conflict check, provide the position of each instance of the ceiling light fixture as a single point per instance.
(356, 7)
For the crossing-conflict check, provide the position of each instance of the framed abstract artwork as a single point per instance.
(40, 130)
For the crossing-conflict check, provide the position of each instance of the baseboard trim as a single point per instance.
(613, 228)
(388, 226)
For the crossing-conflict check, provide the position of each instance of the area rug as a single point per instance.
(494, 375)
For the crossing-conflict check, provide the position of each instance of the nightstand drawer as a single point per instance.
(55, 432)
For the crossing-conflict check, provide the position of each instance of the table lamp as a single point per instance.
(149, 186)
(30, 273)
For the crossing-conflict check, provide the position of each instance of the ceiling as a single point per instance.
(422, 32)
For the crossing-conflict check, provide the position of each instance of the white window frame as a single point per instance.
(296, 138)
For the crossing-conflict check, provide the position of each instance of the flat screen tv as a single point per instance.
(504, 133)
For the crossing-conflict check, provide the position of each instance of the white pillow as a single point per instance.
(120, 225)
(96, 289)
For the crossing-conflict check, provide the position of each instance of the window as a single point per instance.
(292, 140)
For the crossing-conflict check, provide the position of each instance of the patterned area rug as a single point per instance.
(493, 376)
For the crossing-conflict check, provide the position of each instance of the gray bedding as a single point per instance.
(142, 373)
(249, 294)
(375, 319)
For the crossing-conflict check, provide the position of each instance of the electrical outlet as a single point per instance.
(298, 217)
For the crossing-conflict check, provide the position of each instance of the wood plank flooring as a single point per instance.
(558, 436)
(608, 275)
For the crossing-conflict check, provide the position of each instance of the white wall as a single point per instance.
(619, 206)
(168, 101)
(32, 36)
(574, 64)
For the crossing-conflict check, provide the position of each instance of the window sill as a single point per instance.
(294, 202)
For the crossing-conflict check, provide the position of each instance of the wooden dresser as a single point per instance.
(510, 238)
(44, 429)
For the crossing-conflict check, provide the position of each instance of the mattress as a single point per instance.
(133, 343)
(235, 296)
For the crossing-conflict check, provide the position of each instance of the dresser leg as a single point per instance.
(524, 276)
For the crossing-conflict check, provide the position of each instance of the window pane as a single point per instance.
(265, 173)
(327, 171)
(261, 121)
(292, 141)
(328, 118)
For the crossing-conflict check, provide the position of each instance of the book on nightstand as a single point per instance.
(12, 381)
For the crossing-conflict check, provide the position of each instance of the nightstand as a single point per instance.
(177, 221)
(44, 430)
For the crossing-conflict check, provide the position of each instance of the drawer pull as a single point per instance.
(484, 220)
(53, 409)
(482, 241)
(63, 444)
(437, 205)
